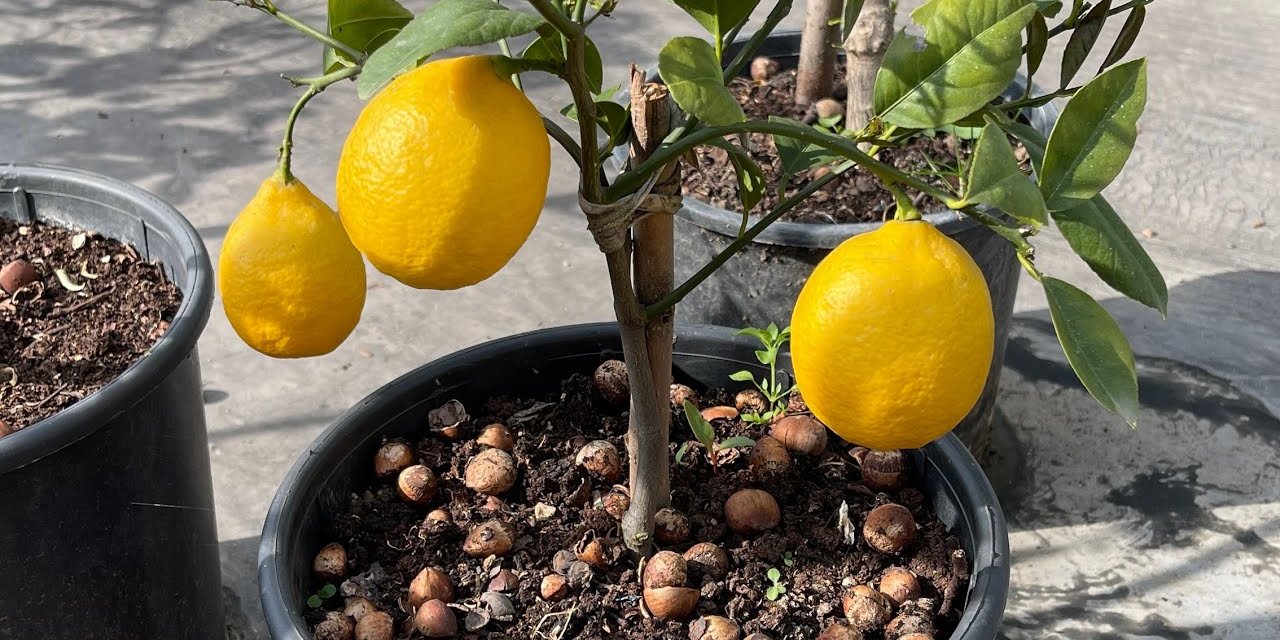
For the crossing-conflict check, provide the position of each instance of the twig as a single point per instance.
(80, 305)
(268, 7)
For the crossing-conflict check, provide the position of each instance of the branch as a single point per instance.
(576, 76)
(314, 87)
(268, 7)
(1064, 27)
(631, 180)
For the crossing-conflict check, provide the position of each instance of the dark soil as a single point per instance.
(58, 346)
(856, 196)
(388, 542)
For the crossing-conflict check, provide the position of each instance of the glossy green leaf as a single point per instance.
(759, 334)
(363, 25)
(1095, 347)
(797, 156)
(925, 12)
(764, 356)
(1048, 8)
(995, 179)
(1076, 7)
(1032, 140)
(1127, 36)
(615, 119)
(702, 429)
(742, 376)
(1083, 37)
(546, 47)
(688, 66)
(736, 442)
(972, 52)
(1098, 235)
(1037, 42)
(447, 24)
(750, 177)
(718, 16)
(1093, 136)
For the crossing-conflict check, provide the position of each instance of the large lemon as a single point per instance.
(892, 336)
(444, 174)
(291, 282)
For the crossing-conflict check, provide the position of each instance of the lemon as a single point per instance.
(444, 174)
(892, 336)
(291, 282)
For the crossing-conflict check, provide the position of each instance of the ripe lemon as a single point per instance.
(892, 336)
(292, 284)
(444, 174)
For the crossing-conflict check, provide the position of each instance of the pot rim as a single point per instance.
(158, 219)
(299, 490)
(821, 235)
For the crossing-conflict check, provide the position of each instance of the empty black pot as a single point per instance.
(321, 482)
(106, 509)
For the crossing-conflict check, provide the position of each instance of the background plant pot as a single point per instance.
(321, 482)
(760, 284)
(108, 527)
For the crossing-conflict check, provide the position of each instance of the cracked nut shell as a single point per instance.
(866, 609)
(391, 459)
(671, 603)
(708, 559)
(890, 528)
(376, 625)
(670, 527)
(600, 459)
(330, 564)
(417, 484)
(884, 471)
(491, 538)
(498, 437)
(714, 628)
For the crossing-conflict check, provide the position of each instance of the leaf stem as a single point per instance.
(576, 77)
(314, 87)
(632, 179)
(505, 48)
(268, 7)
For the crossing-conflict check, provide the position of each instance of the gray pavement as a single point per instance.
(1168, 531)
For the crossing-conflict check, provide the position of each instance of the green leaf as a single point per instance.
(363, 25)
(772, 329)
(547, 48)
(1032, 140)
(758, 334)
(797, 156)
(1076, 7)
(1048, 8)
(736, 442)
(750, 177)
(1037, 42)
(1095, 347)
(327, 591)
(764, 356)
(688, 66)
(702, 429)
(1098, 235)
(925, 12)
(314, 602)
(972, 52)
(1094, 135)
(1083, 37)
(773, 593)
(681, 453)
(996, 180)
(1127, 36)
(718, 16)
(849, 16)
(774, 574)
(615, 119)
(742, 376)
(448, 23)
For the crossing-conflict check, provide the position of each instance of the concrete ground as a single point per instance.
(1168, 531)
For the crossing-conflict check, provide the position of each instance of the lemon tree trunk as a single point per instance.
(815, 77)
(864, 51)
(648, 433)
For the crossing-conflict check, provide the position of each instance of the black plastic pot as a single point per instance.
(320, 483)
(760, 284)
(106, 509)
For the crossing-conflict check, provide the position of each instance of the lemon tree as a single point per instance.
(445, 171)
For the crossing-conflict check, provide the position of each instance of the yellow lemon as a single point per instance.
(292, 284)
(892, 336)
(444, 174)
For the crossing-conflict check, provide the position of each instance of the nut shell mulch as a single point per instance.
(539, 556)
(76, 310)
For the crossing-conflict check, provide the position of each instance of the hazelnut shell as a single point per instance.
(330, 564)
(670, 526)
(376, 625)
(434, 620)
(554, 587)
(884, 471)
(714, 628)
(498, 437)
(751, 511)
(800, 434)
(417, 484)
(671, 603)
(430, 584)
(666, 569)
(709, 559)
(769, 457)
(491, 538)
(600, 459)
(491, 472)
(899, 585)
(890, 528)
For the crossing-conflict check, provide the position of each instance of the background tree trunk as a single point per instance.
(648, 435)
(815, 77)
(864, 51)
